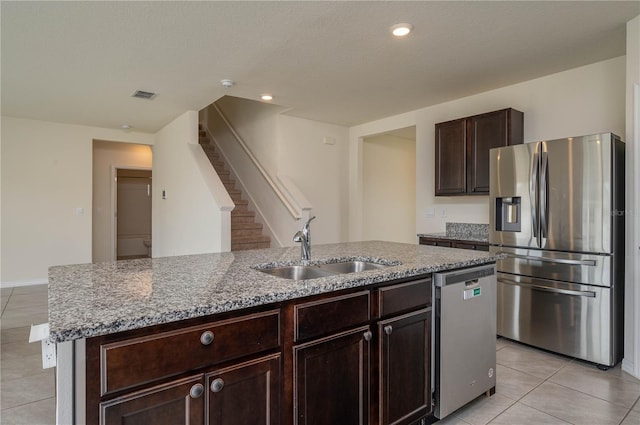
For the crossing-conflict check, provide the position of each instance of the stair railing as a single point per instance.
(288, 193)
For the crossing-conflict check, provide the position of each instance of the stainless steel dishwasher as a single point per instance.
(464, 330)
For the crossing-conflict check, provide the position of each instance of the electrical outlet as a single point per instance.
(48, 354)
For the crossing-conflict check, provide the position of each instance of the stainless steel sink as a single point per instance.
(298, 272)
(351, 266)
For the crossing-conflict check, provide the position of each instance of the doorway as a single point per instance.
(133, 213)
(389, 186)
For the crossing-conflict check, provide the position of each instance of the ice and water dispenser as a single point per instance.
(508, 214)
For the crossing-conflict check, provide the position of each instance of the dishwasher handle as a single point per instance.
(463, 276)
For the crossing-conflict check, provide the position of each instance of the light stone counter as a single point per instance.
(89, 300)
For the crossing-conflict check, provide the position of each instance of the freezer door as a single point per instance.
(513, 176)
(576, 194)
(592, 269)
(575, 320)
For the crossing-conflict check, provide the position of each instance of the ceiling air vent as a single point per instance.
(141, 94)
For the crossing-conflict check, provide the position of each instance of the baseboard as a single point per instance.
(17, 283)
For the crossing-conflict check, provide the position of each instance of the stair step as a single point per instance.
(241, 233)
(246, 226)
(248, 246)
(242, 217)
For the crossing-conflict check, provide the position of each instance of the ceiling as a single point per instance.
(336, 62)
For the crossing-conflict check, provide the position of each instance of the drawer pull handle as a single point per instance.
(368, 335)
(388, 329)
(196, 391)
(217, 385)
(206, 338)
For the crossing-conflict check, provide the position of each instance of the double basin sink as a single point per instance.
(304, 272)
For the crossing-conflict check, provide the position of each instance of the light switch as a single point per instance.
(79, 211)
(430, 212)
(328, 140)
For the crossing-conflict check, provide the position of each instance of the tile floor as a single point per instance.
(533, 386)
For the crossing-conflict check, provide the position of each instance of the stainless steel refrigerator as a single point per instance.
(557, 212)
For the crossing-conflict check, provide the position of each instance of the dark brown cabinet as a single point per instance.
(331, 378)
(454, 243)
(248, 393)
(405, 375)
(178, 402)
(462, 150)
(232, 371)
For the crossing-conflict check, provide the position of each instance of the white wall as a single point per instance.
(290, 147)
(107, 155)
(585, 100)
(631, 361)
(389, 192)
(320, 172)
(189, 220)
(46, 195)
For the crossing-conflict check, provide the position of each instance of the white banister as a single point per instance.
(294, 195)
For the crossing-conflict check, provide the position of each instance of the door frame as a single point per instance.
(114, 201)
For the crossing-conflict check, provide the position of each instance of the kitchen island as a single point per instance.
(140, 334)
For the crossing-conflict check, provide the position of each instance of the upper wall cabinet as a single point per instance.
(462, 150)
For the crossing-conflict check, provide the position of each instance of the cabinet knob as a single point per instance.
(196, 391)
(206, 338)
(368, 335)
(217, 385)
(388, 329)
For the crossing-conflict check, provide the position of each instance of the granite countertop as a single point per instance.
(462, 232)
(88, 300)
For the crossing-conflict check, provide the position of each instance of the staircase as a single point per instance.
(245, 232)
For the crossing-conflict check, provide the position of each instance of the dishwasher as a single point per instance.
(464, 332)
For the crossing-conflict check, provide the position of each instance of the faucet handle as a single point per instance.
(298, 237)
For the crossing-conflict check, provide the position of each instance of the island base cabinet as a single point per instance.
(248, 393)
(178, 402)
(331, 379)
(405, 382)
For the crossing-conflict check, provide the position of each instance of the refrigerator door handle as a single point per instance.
(589, 294)
(544, 191)
(533, 195)
(551, 260)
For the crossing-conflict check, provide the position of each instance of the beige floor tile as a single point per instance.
(501, 343)
(632, 418)
(41, 412)
(18, 349)
(26, 390)
(483, 409)
(15, 334)
(452, 420)
(529, 360)
(20, 321)
(602, 384)
(514, 384)
(13, 311)
(36, 299)
(518, 413)
(30, 289)
(573, 406)
(16, 368)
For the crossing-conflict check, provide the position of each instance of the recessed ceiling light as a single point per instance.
(266, 97)
(125, 126)
(227, 83)
(400, 30)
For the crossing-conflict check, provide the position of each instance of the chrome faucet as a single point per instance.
(304, 236)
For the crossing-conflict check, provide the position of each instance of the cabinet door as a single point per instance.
(450, 158)
(177, 402)
(488, 131)
(405, 373)
(331, 379)
(243, 394)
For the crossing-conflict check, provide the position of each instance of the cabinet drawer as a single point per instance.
(404, 297)
(478, 246)
(137, 361)
(322, 317)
